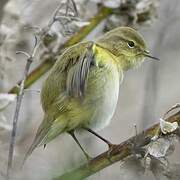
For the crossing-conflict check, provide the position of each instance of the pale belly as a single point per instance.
(106, 97)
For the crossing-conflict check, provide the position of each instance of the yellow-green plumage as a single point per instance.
(83, 85)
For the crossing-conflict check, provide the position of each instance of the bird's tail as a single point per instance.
(46, 132)
(33, 146)
(28, 153)
(40, 135)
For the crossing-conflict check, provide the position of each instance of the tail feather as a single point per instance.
(34, 145)
(40, 135)
(45, 134)
(28, 153)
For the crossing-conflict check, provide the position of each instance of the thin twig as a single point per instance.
(20, 95)
(17, 110)
(75, 8)
(118, 153)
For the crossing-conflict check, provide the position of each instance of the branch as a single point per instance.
(80, 35)
(18, 104)
(118, 153)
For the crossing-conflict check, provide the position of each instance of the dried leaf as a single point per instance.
(167, 127)
(160, 148)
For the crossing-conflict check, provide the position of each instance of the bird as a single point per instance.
(81, 90)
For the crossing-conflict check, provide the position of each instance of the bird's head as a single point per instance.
(127, 45)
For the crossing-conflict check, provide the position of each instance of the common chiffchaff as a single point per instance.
(82, 88)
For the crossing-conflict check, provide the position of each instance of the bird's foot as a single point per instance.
(112, 147)
(88, 157)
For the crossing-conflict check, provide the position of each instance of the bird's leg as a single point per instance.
(100, 137)
(110, 145)
(76, 140)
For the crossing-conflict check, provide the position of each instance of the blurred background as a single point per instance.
(145, 94)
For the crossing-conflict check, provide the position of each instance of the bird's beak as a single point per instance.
(146, 54)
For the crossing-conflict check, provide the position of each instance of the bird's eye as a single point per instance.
(130, 44)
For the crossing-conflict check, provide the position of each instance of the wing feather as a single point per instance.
(69, 74)
(77, 75)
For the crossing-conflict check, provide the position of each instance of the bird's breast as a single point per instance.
(102, 95)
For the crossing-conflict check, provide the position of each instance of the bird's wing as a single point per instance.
(78, 73)
(69, 74)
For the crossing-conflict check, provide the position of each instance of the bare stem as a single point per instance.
(18, 104)
(16, 116)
